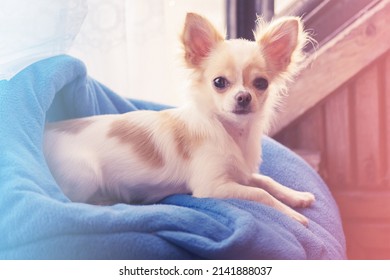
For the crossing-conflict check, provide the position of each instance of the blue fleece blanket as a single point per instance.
(38, 222)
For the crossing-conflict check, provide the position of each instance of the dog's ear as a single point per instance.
(199, 38)
(281, 41)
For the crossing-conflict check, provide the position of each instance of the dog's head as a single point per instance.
(236, 79)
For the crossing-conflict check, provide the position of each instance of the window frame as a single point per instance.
(241, 16)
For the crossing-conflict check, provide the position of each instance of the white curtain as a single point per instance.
(117, 43)
(31, 30)
(133, 46)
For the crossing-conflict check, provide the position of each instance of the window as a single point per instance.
(324, 18)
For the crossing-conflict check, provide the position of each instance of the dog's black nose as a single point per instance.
(243, 98)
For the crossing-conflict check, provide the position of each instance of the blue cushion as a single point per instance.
(38, 222)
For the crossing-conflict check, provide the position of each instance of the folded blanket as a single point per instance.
(38, 222)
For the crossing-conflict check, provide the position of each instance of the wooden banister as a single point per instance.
(340, 59)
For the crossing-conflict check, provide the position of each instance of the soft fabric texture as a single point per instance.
(38, 222)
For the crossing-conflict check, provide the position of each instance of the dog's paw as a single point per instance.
(302, 199)
(300, 218)
(294, 214)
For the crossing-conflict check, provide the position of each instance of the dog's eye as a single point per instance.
(260, 83)
(220, 83)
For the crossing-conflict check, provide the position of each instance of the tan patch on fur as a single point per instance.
(186, 142)
(140, 139)
(250, 73)
(70, 126)
(253, 71)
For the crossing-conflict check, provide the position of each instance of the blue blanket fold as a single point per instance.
(38, 222)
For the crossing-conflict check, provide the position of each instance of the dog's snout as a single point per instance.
(243, 98)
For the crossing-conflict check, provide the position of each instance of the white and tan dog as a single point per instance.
(208, 148)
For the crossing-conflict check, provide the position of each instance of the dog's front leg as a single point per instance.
(289, 196)
(235, 190)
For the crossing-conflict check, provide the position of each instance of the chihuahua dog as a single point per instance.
(209, 147)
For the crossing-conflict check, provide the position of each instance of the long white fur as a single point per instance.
(91, 164)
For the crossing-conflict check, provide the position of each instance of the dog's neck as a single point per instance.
(246, 133)
(247, 136)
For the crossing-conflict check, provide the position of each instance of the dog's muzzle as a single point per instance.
(243, 101)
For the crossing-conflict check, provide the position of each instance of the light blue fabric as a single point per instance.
(38, 222)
